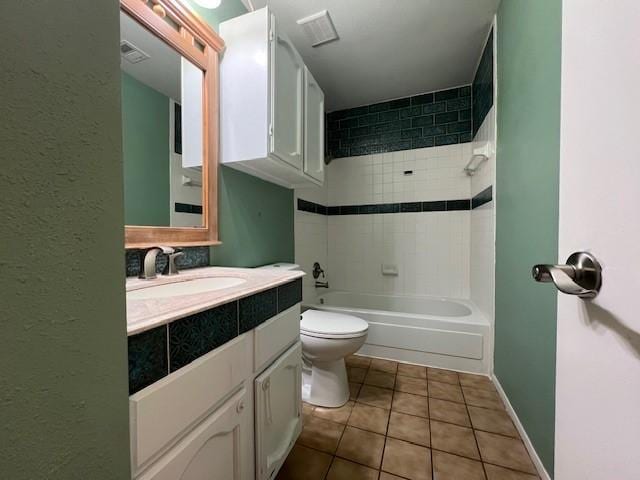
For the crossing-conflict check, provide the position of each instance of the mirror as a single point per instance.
(162, 123)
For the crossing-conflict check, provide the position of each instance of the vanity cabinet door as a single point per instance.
(313, 128)
(219, 448)
(278, 397)
(287, 77)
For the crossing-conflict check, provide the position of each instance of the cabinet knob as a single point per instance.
(240, 406)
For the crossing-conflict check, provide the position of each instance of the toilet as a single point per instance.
(327, 338)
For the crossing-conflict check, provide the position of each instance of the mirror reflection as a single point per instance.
(162, 120)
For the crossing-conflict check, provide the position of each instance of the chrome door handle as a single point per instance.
(581, 276)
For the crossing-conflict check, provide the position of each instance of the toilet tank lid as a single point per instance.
(317, 321)
(282, 266)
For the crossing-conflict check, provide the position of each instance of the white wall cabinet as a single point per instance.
(271, 108)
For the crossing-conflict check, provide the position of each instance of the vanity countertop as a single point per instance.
(146, 313)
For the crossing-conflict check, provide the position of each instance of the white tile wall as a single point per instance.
(310, 237)
(438, 175)
(482, 265)
(430, 249)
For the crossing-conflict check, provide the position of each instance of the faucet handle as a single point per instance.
(171, 268)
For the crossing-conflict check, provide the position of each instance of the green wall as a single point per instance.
(145, 152)
(529, 39)
(256, 221)
(256, 217)
(63, 342)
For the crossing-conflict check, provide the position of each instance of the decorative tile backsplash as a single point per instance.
(483, 86)
(156, 353)
(426, 120)
(193, 257)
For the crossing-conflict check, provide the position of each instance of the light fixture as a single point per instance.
(208, 3)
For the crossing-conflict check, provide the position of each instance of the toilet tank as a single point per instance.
(282, 266)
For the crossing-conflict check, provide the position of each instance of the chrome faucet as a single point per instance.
(171, 268)
(148, 270)
(317, 271)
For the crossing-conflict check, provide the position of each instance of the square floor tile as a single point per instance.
(369, 418)
(450, 412)
(361, 447)
(354, 390)
(410, 428)
(482, 398)
(417, 386)
(453, 439)
(495, 421)
(388, 476)
(477, 381)
(504, 451)
(320, 434)
(356, 374)
(305, 463)
(380, 379)
(444, 376)
(345, 470)
(415, 371)
(445, 391)
(407, 460)
(453, 467)
(376, 396)
(381, 365)
(499, 473)
(358, 361)
(338, 415)
(411, 404)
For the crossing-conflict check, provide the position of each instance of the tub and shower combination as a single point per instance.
(434, 331)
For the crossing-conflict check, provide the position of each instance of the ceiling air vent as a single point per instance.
(131, 53)
(319, 28)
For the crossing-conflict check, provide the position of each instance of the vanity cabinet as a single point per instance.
(232, 414)
(271, 108)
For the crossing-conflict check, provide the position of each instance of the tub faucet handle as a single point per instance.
(317, 271)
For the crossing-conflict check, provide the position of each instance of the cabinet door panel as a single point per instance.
(314, 128)
(286, 102)
(278, 397)
(220, 448)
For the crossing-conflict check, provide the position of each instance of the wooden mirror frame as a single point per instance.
(196, 41)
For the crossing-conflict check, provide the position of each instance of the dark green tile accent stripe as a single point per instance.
(148, 360)
(485, 196)
(289, 294)
(193, 257)
(483, 86)
(157, 352)
(427, 120)
(195, 335)
(405, 207)
(257, 308)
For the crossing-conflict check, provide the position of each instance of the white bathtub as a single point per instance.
(439, 332)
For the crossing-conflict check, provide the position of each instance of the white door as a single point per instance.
(278, 411)
(286, 100)
(220, 448)
(313, 128)
(598, 343)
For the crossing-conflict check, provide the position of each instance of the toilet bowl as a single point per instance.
(327, 338)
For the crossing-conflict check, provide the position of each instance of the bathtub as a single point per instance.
(439, 332)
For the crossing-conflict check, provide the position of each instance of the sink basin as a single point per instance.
(187, 287)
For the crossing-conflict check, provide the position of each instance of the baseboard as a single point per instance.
(542, 472)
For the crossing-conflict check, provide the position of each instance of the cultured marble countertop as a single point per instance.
(144, 314)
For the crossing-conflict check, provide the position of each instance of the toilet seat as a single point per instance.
(321, 324)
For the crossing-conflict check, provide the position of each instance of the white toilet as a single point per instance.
(327, 338)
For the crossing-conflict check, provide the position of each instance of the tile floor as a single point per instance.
(409, 422)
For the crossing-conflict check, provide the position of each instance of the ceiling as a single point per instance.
(389, 48)
(162, 70)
